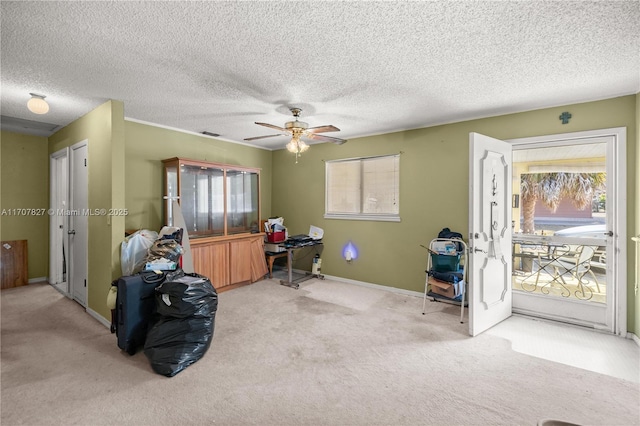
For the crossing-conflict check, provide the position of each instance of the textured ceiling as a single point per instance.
(364, 67)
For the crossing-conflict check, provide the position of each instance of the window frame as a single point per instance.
(380, 217)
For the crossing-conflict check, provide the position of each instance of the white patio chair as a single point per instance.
(577, 266)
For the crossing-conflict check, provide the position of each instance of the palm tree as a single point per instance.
(550, 188)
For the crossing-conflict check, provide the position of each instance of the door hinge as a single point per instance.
(85, 162)
(85, 282)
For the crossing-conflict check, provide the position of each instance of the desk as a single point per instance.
(290, 282)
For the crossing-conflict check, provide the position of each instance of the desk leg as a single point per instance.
(289, 282)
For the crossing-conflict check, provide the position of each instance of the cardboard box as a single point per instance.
(442, 288)
(276, 237)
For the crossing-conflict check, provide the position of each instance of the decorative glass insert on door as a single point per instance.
(559, 222)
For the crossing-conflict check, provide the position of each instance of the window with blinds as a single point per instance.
(363, 189)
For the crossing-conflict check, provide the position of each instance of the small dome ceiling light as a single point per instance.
(37, 104)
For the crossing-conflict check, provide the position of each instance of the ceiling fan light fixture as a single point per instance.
(37, 104)
(298, 129)
(292, 146)
(296, 145)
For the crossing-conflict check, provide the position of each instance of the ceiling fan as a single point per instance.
(298, 129)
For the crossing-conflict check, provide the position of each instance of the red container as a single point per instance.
(276, 237)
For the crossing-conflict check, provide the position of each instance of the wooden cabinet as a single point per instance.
(240, 266)
(231, 261)
(13, 264)
(220, 204)
(258, 260)
(210, 260)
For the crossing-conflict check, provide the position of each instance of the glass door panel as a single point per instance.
(242, 202)
(559, 226)
(198, 199)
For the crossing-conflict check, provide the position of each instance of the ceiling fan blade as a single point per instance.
(282, 129)
(322, 129)
(324, 138)
(262, 137)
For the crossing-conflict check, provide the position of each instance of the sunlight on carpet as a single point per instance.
(571, 345)
(353, 297)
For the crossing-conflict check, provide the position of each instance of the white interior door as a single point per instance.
(490, 232)
(59, 248)
(78, 223)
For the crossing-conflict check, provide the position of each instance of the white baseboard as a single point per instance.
(102, 320)
(61, 292)
(377, 286)
(629, 335)
(37, 280)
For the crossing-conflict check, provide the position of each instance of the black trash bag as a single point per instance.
(173, 344)
(176, 235)
(186, 305)
(447, 233)
(186, 295)
(450, 276)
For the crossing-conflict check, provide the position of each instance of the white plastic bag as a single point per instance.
(133, 252)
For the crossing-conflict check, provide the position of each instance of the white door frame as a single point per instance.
(59, 202)
(78, 224)
(616, 214)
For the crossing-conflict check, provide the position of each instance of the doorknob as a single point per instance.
(72, 232)
(609, 233)
(479, 250)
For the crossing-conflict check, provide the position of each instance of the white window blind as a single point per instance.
(363, 189)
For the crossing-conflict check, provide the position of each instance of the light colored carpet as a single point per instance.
(572, 345)
(327, 354)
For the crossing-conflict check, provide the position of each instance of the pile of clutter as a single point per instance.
(146, 250)
(157, 306)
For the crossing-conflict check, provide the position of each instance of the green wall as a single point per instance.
(633, 275)
(434, 175)
(24, 170)
(125, 171)
(103, 128)
(147, 145)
